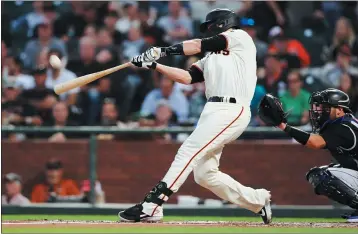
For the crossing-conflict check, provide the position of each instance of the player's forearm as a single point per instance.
(195, 46)
(312, 141)
(175, 74)
(191, 47)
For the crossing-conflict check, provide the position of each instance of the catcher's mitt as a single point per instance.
(271, 111)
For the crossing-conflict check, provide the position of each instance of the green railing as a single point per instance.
(94, 130)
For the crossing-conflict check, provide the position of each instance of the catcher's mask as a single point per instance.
(218, 21)
(321, 104)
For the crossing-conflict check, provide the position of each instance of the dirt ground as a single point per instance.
(61, 223)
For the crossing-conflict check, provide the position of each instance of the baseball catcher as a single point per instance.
(335, 129)
(229, 72)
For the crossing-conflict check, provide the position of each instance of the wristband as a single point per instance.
(153, 66)
(297, 134)
(176, 49)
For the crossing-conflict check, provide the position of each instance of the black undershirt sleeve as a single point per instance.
(196, 74)
(215, 43)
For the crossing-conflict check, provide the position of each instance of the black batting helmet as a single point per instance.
(218, 21)
(321, 103)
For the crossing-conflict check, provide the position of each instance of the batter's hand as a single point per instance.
(139, 62)
(152, 54)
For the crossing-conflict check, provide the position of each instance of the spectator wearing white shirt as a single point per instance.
(177, 26)
(130, 19)
(58, 76)
(14, 65)
(13, 188)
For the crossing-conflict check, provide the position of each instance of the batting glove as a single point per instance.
(138, 62)
(152, 54)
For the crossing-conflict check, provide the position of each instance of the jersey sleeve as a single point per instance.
(196, 71)
(234, 39)
(339, 135)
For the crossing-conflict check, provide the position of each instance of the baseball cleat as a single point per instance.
(351, 218)
(135, 214)
(266, 212)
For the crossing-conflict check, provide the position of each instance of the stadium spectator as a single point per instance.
(350, 87)
(16, 110)
(134, 44)
(177, 27)
(199, 9)
(13, 187)
(258, 95)
(110, 21)
(291, 51)
(3, 53)
(55, 187)
(86, 189)
(197, 101)
(60, 118)
(90, 14)
(50, 12)
(273, 76)
(40, 97)
(91, 32)
(14, 66)
(44, 39)
(267, 14)
(71, 23)
(60, 75)
(129, 19)
(107, 53)
(110, 114)
(162, 118)
(331, 72)
(90, 95)
(248, 25)
(4, 68)
(42, 58)
(177, 100)
(110, 117)
(31, 19)
(295, 100)
(135, 78)
(343, 34)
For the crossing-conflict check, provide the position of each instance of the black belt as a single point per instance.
(222, 99)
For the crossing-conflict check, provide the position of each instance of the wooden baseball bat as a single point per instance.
(83, 80)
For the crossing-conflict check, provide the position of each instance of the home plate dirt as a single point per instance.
(74, 223)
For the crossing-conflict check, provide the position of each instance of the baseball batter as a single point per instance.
(229, 73)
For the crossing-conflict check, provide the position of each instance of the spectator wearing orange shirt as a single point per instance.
(55, 188)
(281, 44)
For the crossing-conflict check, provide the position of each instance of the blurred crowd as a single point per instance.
(301, 47)
(53, 187)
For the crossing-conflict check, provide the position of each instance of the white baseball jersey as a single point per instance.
(231, 72)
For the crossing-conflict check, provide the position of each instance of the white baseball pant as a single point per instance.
(219, 124)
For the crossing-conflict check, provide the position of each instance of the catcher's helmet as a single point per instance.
(218, 21)
(321, 103)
